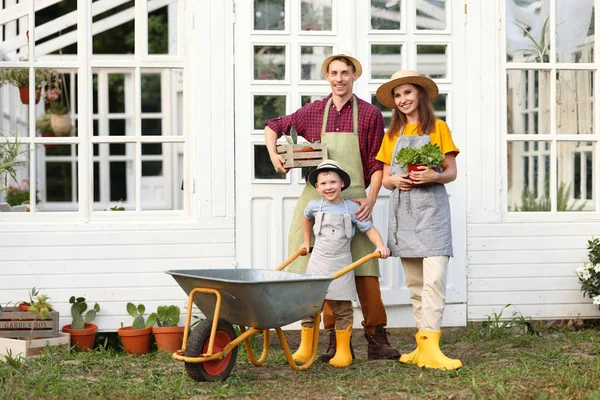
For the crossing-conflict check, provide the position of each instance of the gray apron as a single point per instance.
(420, 217)
(332, 252)
(342, 147)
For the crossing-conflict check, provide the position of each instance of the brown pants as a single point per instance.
(342, 312)
(371, 304)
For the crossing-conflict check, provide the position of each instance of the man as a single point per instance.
(353, 130)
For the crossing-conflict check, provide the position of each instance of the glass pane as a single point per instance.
(14, 37)
(431, 15)
(263, 169)
(117, 127)
(52, 40)
(162, 29)
(116, 93)
(385, 60)
(15, 160)
(14, 99)
(574, 102)
(528, 101)
(309, 98)
(387, 113)
(528, 176)
(575, 31)
(527, 31)
(311, 58)
(151, 126)
(575, 176)
(59, 99)
(120, 39)
(115, 180)
(95, 93)
(151, 93)
(439, 106)
(161, 178)
(269, 62)
(267, 107)
(269, 15)
(432, 60)
(316, 15)
(385, 14)
(58, 181)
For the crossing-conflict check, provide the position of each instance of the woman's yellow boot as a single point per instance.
(430, 355)
(306, 344)
(343, 355)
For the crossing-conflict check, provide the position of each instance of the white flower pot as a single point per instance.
(61, 124)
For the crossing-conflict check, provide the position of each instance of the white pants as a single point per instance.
(426, 279)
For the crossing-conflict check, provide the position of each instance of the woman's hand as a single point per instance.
(424, 175)
(401, 181)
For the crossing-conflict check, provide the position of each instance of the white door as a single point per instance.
(279, 47)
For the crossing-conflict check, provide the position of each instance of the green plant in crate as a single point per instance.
(429, 154)
(78, 307)
(138, 316)
(41, 306)
(166, 316)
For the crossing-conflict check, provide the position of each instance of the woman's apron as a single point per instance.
(332, 252)
(342, 147)
(420, 217)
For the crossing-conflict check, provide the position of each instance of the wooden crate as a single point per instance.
(31, 347)
(18, 324)
(300, 155)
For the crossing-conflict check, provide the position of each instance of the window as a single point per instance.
(119, 144)
(550, 119)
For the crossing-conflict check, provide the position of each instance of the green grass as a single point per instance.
(556, 364)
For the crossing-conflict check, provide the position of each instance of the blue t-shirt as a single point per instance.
(313, 207)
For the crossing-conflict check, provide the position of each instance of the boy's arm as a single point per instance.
(307, 225)
(375, 237)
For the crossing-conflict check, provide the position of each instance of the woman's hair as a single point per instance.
(426, 115)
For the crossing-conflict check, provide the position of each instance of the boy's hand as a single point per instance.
(385, 252)
(306, 247)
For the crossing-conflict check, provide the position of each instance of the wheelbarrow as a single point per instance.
(257, 299)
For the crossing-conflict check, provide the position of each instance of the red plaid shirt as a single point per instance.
(308, 121)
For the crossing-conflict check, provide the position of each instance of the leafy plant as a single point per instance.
(166, 315)
(540, 45)
(43, 123)
(589, 273)
(41, 306)
(20, 76)
(58, 108)
(78, 307)
(10, 152)
(496, 327)
(529, 202)
(138, 316)
(17, 195)
(429, 154)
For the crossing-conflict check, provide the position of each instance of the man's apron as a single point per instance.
(419, 223)
(342, 147)
(332, 252)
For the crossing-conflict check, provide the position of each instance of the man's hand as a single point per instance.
(278, 161)
(365, 210)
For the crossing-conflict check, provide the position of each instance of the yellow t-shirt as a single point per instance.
(440, 135)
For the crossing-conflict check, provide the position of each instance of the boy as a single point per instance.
(333, 222)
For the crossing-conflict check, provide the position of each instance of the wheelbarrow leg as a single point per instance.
(265, 352)
(288, 353)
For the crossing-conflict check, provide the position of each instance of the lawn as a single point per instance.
(498, 363)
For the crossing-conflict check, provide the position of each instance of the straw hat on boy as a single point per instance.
(385, 93)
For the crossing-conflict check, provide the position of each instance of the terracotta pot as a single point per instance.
(48, 135)
(82, 338)
(168, 338)
(24, 94)
(413, 168)
(61, 124)
(135, 341)
(24, 306)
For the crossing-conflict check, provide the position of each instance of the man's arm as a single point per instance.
(271, 142)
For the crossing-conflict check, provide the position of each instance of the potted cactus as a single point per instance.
(167, 334)
(136, 338)
(83, 333)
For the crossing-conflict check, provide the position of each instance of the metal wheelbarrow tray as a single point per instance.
(253, 297)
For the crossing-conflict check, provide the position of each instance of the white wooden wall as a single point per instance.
(527, 263)
(113, 262)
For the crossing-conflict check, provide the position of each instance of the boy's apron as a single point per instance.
(419, 219)
(342, 147)
(332, 252)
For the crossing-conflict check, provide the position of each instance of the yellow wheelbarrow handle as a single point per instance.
(356, 264)
(298, 253)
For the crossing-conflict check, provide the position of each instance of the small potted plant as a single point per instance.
(24, 305)
(589, 273)
(19, 77)
(136, 338)
(83, 333)
(429, 155)
(60, 120)
(167, 334)
(10, 159)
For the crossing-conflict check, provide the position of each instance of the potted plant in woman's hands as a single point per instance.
(83, 333)
(136, 338)
(429, 155)
(167, 334)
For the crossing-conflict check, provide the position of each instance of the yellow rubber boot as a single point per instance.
(306, 343)
(412, 357)
(343, 355)
(430, 355)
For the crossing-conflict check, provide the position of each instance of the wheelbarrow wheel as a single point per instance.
(197, 344)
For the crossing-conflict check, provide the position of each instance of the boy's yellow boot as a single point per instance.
(343, 355)
(430, 355)
(306, 343)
